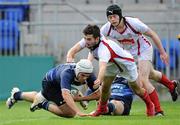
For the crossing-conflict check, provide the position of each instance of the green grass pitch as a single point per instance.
(20, 115)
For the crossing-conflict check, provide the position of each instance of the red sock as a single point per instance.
(155, 99)
(146, 98)
(166, 82)
(149, 104)
(103, 103)
(101, 109)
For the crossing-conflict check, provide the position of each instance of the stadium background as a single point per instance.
(35, 35)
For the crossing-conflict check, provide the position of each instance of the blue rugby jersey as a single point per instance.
(64, 76)
(120, 88)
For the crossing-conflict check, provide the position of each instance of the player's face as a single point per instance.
(82, 77)
(90, 41)
(114, 19)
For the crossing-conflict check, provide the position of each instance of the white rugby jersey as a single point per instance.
(131, 38)
(108, 50)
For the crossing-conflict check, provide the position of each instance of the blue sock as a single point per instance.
(111, 108)
(17, 96)
(44, 105)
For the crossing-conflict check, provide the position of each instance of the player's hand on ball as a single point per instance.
(97, 83)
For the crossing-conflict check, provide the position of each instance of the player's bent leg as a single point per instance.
(143, 74)
(66, 111)
(155, 99)
(63, 110)
(162, 79)
(142, 93)
(105, 93)
(145, 68)
(106, 88)
(38, 101)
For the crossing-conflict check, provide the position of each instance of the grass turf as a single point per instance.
(20, 115)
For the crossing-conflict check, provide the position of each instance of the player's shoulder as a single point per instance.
(106, 26)
(68, 68)
(131, 19)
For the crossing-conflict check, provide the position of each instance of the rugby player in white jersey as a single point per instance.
(129, 32)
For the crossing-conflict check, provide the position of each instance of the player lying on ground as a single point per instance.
(55, 95)
(120, 100)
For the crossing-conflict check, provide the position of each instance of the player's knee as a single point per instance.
(155, 75)
(144, 80)
(152, 75)
(135, 88)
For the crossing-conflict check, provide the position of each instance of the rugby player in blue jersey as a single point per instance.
(120, 100)
(55, 95)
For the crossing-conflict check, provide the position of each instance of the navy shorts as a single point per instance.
(127, 100)
(52, 92)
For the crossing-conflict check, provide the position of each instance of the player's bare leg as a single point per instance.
(62, 111)
(41, 103)
(105, 93)
(17, 95)
(142, 93)
(28, 96)
(144, 72)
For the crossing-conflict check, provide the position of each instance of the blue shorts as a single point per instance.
(52, 92)
(127, 100)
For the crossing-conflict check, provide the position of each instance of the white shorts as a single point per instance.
(146, 54)
(124, 68)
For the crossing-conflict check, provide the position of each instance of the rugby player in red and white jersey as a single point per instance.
(129, 32)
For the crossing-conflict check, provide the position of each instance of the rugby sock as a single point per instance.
(155, 99)
(111, 108)
(44, 105)
(149, 104)
(146, 98)
(17, 96)
(101, 109)
(103, 103)
(166, 82)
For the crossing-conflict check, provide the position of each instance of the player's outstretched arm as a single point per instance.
(72, 52)
(158, 44)
(93, 96)
(70, 102)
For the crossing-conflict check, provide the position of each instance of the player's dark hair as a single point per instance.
(91, 29)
